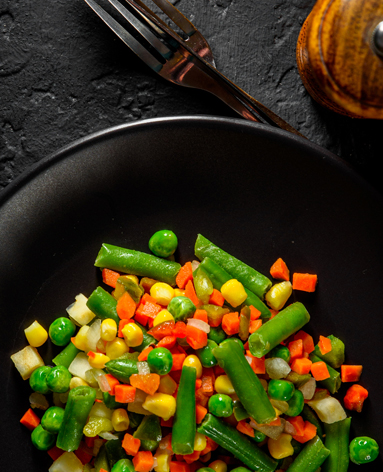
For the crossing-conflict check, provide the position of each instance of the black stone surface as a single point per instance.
(63, 75)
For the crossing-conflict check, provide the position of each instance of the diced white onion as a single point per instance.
(38, 400)
(106, 435)
(328, 409)
(280, 405)
(101, 410)
(249, 359)
(195, 265)
(272, 432)
(140, 396)
(277, 368)
(143, 368)
(289, 429)
(80, 365)
(101, 380)
(93, 335)
(308, 389)
(155, 462)
(67, 462)
(199, 324)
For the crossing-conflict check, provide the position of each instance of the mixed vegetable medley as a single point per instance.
(202, 367)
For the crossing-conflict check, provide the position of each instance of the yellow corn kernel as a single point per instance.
(162, 293)
(36, 334)
(223, 385)
(278, 295)
(163, 315)
(98, 360)
(193, 361)
(76, 382)
(218, 466)
(160, 404)
(133, 334)
(81, 340)
(178, 292)
(133, 278)
(199, 442)
(281, 447)
(108, 329)
(233, 292)
(116, 348)
(167, 385)
(120, 419)
(163, 462)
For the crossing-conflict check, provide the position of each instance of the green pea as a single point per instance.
(296, 404)
(220, 405)
(163, 243)
(52, 419)
(38, 379)
(280, 351)
(205, 354)
(216, 334)
(181, 308)
(58, 379)
(363, 450)
(205, 469)
(259, 436)
(42, 439)
(160, 360)
(123, 465)
(280, 390)
(61, 331)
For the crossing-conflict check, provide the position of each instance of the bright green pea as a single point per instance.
(38, 379)
(42, 439)
(205, 354)
(160, 360)
(363, 450)
(61, 331)
(279, 389)
(181, 308)
(220, 405)
(259, 436)
(163, 243)
(52, 419)
(123, 465)
(216, 334)
(58, 379)
(296, 404)
(280, 351)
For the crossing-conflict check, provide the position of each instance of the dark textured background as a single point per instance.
(64, 75)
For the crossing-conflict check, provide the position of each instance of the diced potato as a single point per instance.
(67, 462)
(79, 366)
(79, 312)
(26, 361)
(328, 409)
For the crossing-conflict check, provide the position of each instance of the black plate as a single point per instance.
(257, 192)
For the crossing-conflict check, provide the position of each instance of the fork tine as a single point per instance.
(176, 16)
(125, 36)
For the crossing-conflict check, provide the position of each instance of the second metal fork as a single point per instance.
(181, 61)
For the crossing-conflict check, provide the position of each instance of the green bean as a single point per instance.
(66, 356)
(249, 277)
(103, 305)
(123, 367)
(219, 276)
(79, 403)
(101, 460)
(231, 357)
(184, 425)
(137, 263)
(114, 451)
(149, 432)
(334, 382)
(279, 328)
(335, 358)
(241, 446)
(312, 456)
(337, 441)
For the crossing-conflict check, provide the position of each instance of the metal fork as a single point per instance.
(165, 52)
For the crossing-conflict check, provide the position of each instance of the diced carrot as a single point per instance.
(149, 383)
(355, 397)
(184, 275)
(190, 293)
(131, 444)
(178, 360)
(324, 345)
(112, 381)
(149, 309)
(299, 424)
(208, 379)
(143, 461)
(201, 315)
(196, 338)
(201, 412)
(257, 363)
(103, 470)
(168, 423)
(230, 323)
(201, 397)
(205, 457)
(216, 298)
(319, 370)
(198, 383)
(254, 325)
(124, 393)
(295, 348)
(307, 339)
(161, 330)
(30, 419)
(279, 270)
(55, 452)
(110, 277)
(142, 319)
(167, 341)
(276, 422)
(245, 428)
(126, 306)
(273, 313)
(121, 326)
(84, 453)
(301, 366)
(304, 282)
(144, 353)
(254, 313)
(178, 466)
(194, 456)
(350, 373)
(179, 330)
(309, 432)
(146, 297)
(218, 370)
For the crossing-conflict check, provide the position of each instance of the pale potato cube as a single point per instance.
(26, 361)
(67, 462)
(79, 312)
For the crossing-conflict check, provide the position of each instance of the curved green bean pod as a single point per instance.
(311, 457)
(337, 441)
